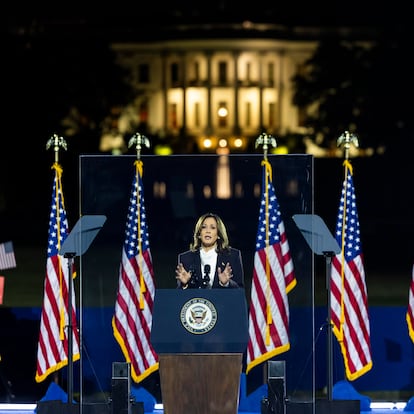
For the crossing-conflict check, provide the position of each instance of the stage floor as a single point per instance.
(376, 408)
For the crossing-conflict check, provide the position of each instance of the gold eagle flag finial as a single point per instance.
(139, 141)
(265, 140)
(346, 139)
(57, 142)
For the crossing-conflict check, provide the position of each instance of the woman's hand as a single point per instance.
(182, 275)
(225, 275)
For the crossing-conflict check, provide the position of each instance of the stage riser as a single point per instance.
(325, 407)
(57, 407)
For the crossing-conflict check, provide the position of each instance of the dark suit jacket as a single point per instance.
(192, 262)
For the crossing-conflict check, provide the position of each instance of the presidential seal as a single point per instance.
(198, 315)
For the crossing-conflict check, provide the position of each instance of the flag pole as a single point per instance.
(345, 140)
(350, 317)
(59, 142)
(136, 285)
(265, 140)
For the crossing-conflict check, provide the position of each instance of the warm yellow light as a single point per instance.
(223, 151)
(163, 150)
(207, 191)
(222, 143)
(222, 112)
(207, 143)
(238, 142)
(280, 150)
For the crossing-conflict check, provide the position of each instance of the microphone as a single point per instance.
(205, 281)
(193, 282)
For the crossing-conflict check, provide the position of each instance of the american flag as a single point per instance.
(7, 258)
(349, 301)
(132, 320)
(273, 278)
(52, 351)
(410, 310)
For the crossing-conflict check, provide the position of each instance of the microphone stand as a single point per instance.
(205, 280)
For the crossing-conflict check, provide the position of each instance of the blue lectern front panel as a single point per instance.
(199, 321)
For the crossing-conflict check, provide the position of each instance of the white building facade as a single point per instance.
(213, 93)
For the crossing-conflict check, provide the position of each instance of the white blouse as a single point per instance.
(209, 257)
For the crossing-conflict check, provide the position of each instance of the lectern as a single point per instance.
(200, 336)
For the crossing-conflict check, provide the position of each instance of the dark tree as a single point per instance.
(364, 87)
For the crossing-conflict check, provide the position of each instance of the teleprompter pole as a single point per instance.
(328, 263)
(70, 257)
